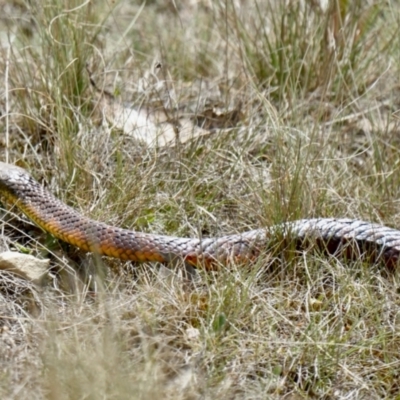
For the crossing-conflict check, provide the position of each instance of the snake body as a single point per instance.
(355, 238)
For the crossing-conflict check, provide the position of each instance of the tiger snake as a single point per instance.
(354, 238)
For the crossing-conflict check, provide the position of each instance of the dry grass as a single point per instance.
(303, 108)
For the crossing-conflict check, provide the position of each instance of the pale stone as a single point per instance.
(25, 266)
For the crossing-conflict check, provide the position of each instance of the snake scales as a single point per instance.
(353, 237)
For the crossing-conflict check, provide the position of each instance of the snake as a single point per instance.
(352, 238)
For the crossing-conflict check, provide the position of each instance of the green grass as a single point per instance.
(315, 98)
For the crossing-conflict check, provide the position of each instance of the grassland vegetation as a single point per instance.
(298, 105)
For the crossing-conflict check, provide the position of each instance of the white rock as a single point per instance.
(25, 266)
